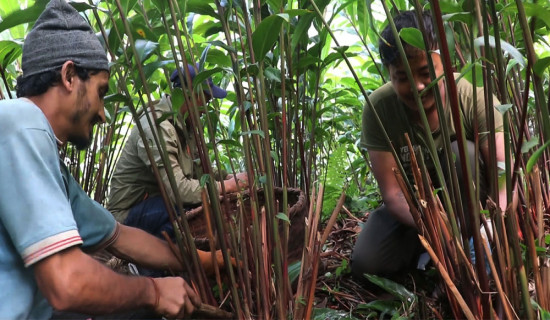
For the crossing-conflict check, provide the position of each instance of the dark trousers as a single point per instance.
(387, 247)
(151, 215)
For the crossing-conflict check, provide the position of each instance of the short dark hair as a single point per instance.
(40, 83)
(387, 45)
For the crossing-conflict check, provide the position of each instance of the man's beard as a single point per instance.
(81, 142)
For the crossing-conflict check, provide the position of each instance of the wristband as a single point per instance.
(157, 293)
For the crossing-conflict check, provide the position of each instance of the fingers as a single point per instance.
(193, 296)
(177, 298)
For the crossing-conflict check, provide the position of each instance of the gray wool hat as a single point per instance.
(60, 34)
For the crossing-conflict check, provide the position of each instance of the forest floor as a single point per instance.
(337, 290)
(339, 296)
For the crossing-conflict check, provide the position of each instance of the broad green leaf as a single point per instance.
(177, 99)
(283, 217)
(273, 74)
(294, 270)
(150, 68)
(297, 12)
(222, 44)
(394, 288)
(413, 37)
(258, 132)
(541, 65)
(275, 5)
(528, 145)
(532, 10)
(22, 16)
(9, 6)
(145, 48)
(478, 42)
(384, 306)
(82, 6)
(535, 157)
(266, 34)
(464, 17)
(230, 142)
(117, 97)
(503, 108)
(201, 7)
(512, 63)
(331, 314)
(203, 75)
(9, 51)
(301, 30)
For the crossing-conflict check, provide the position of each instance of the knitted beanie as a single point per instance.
(60, 34)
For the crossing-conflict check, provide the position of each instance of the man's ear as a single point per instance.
(68, 74)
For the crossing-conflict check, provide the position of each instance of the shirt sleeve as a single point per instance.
(471, 111)
(189, 188)
(96, 225)
(34, 205)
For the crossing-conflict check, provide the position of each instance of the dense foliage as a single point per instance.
(298, 75)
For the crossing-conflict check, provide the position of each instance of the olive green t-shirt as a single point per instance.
(395, 115)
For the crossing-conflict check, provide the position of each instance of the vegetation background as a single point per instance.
(298, 75)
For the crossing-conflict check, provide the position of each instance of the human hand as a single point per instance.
(234, 186)
(176, 299)
(208, 264)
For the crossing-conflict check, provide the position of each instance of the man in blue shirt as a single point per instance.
(47, 222)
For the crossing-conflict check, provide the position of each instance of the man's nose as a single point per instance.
(101, 114)
(420, 85)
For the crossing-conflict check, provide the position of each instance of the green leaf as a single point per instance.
(145, 48)
(177, 99)
(464, 17)
(218, 43)
(201, 77)
(9, 52)
(117, 97)
(528, 145)
(273, 74)
(301, 30)
(294, 270)
(541, 65)
(266, 34)
(535, 157)
(532, 10)
(478, 42)
(413, 37)
(259, 132)
(23, 16)
(201, 7)
(297, 12)
(331, 314)
(230, 142)
(283, 217)
(503, 108)
(394, 288)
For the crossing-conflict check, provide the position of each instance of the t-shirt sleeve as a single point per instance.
(371, 133)
(96, 225)
(465, 90)
(34, 206)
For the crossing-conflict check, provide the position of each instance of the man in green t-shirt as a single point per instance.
(388, 243)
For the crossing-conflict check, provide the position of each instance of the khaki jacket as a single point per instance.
(133, 179)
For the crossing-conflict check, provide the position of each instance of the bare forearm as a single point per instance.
(84, 285)
(399, 209)
(136, 245)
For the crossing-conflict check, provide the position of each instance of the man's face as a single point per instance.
(418, 62)
(88, 108)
